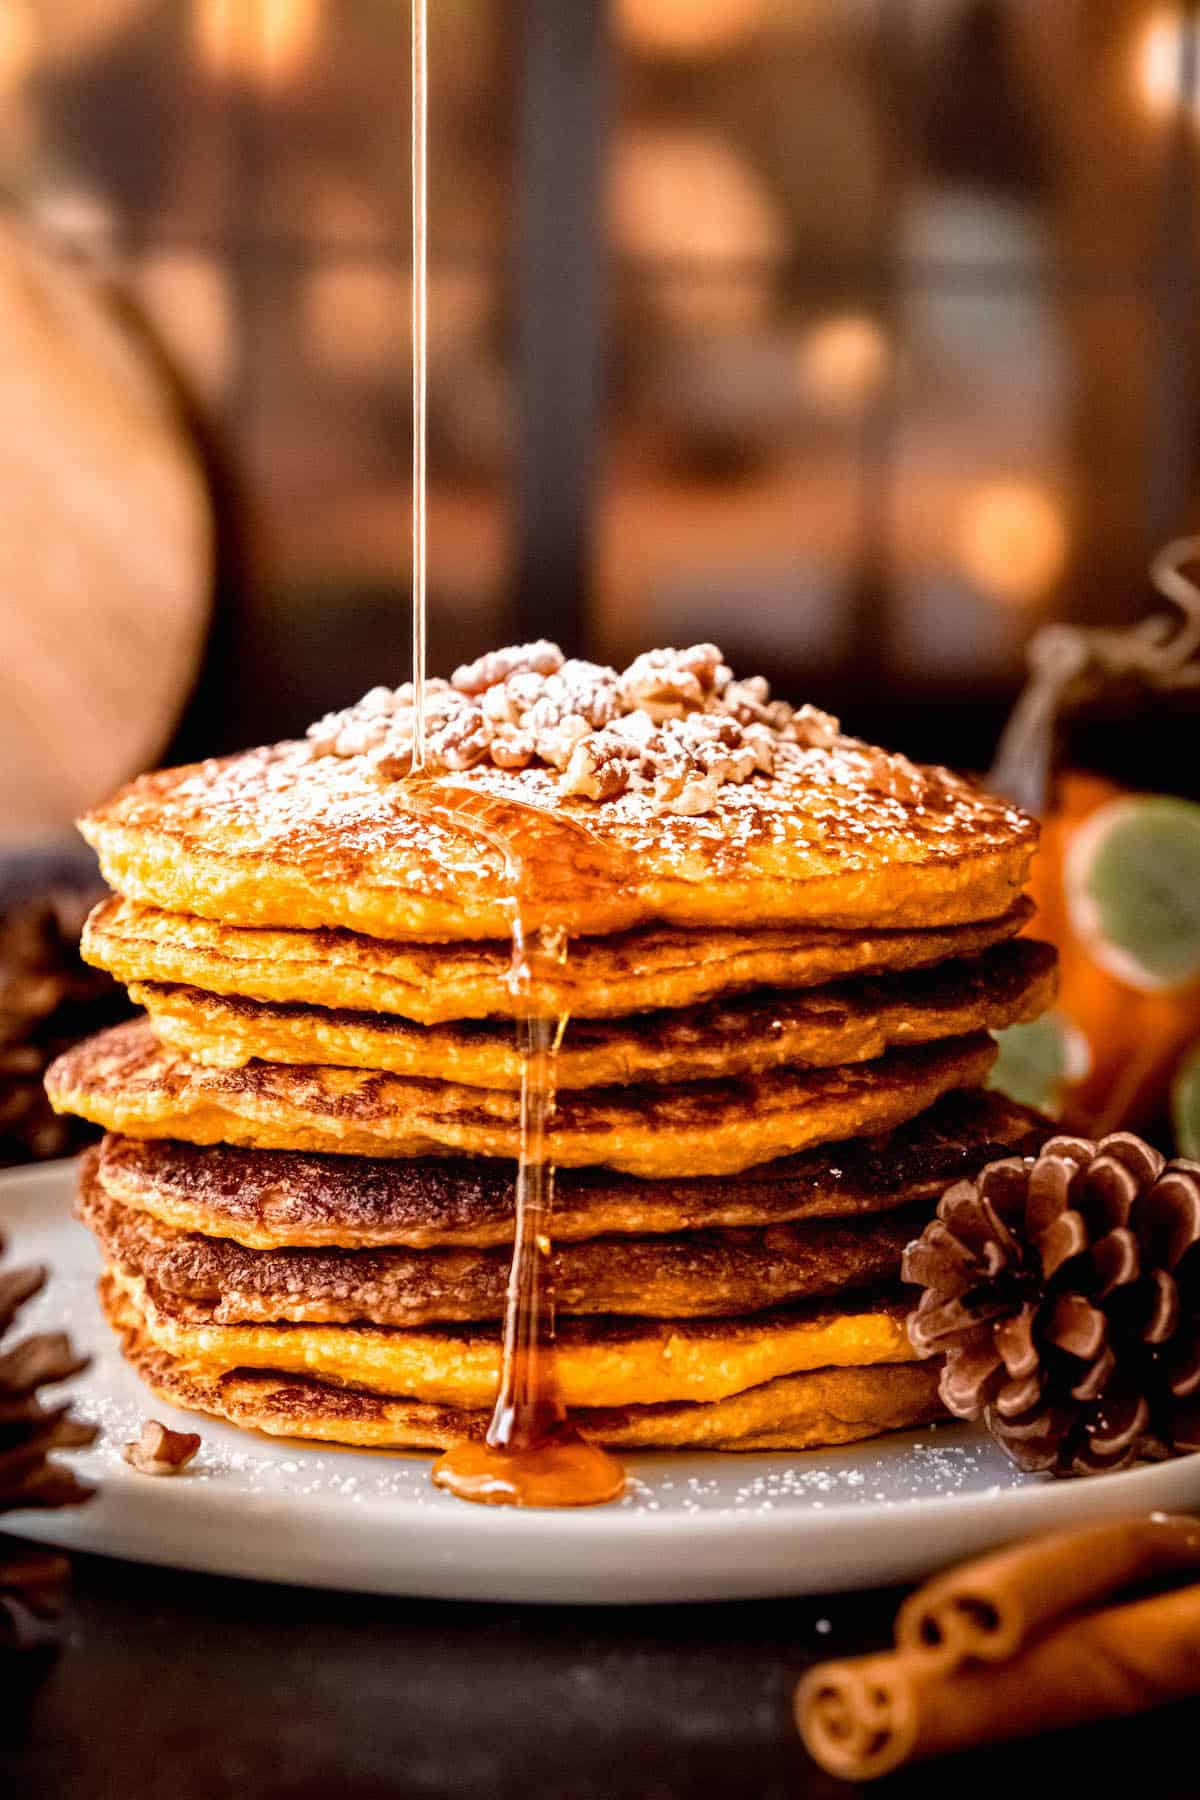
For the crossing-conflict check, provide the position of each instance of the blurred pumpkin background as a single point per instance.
(859, 335)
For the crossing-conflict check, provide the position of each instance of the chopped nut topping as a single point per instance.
(896, 778)
(666, 684)
(675, 725)
(494, 669)
(159, 1451)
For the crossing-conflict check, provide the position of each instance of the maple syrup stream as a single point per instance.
(531, 1455)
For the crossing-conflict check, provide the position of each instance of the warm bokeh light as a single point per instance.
(81, 220)
(1012, 539)
(271, 42)
(187, 298)
(687, 28)
(68, 30)
(356, 318)
(681, 198)
(1157, 63)
(842, 362)
(18, 43)
(685, 195)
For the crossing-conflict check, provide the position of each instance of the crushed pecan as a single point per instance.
(495, 668)
(675, 726)
(807, 726)
(896, 778)
(666, 684)
(160, 1451)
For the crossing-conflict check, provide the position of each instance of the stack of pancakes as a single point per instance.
(779, 1031)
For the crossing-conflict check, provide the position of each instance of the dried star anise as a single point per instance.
(1063, 1291)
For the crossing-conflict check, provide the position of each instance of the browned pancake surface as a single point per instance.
(282, 836)
(709, 1273)
(272, 1199)
(123, 1080)
(603, 977)
(794, 1412)
(819, 1028)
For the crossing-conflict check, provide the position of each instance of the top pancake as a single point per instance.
(315, 835)
(644, 970)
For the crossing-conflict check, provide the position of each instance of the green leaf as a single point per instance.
(1185, 1105)
(1038, 1061)
(1133, 888)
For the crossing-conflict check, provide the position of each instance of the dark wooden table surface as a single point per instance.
(186, 1687)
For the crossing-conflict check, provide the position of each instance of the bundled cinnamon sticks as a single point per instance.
(1014, 1644)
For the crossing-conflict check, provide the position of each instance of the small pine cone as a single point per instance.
(49, 1000)
(1063, 1291)
(31, 1432)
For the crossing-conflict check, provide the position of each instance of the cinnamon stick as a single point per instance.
(864, 1718)
(989, 1609)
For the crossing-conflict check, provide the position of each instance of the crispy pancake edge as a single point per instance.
(125, 1082)
(268, 1199)
(698, 1274)
(601, 1361)
(276, 836)
(640, 970)
(823, 1407)
(816, 1028)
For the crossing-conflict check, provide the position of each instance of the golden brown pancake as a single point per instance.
(819, 1028)
(601, 1361)
(123, 1080)
(270, 1199)
(793, 1412)
(286, 836)
(696, 1275)
(603, 977)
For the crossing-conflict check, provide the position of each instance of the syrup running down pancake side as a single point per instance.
(531, 1455)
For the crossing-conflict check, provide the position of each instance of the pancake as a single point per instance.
(696, 1275)
(123, 1080)
(601, 1361)
(270, 1199)
(819, 1028)
(794, 1412)
(606, 977)
(841, 835)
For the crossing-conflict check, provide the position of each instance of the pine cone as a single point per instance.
(30, 1432)
(49, 1000)
(1064, 1292)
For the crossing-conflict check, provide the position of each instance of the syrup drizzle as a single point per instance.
(420, 362)
(532, 1455)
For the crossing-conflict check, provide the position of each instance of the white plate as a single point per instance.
(693, 1527)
